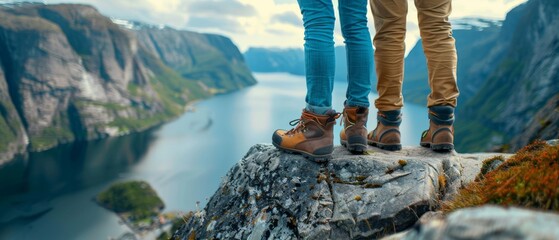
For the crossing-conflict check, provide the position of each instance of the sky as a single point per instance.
(262, 23)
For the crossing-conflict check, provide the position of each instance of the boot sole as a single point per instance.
(442, 147)
(312, 157)
(355, 148)
(389, 147)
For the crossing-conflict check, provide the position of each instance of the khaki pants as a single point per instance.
(438, 45)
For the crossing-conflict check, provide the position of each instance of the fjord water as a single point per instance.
(49, 195)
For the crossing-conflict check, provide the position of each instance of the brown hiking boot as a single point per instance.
(354, 134)
(440, 135)
(387, 133)
(312, 136)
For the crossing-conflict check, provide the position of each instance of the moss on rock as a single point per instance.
(528, 179)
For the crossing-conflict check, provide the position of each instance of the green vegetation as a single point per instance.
(136, 199)
(110, 106)
(49, 137)
(528, 179)
(7, 124)
(473, 136)
(126, 125)
(58, 131)
(477, 132)
(133, 89)
(173, 90)
(8, 136)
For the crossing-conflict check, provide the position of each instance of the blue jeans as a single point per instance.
(318, 20)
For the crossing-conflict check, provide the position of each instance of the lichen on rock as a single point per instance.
(270, 194)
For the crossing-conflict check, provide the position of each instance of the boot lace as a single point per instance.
(300, 123)
(343, 116)
(299, 126)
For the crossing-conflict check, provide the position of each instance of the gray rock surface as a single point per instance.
(487, 222)
(274, 195)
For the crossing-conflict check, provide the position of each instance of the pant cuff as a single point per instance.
(317, 110)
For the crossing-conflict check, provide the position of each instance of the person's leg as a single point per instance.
(318, 20)
(313, 134)
(440, 50)
(390, 25)
(353, 20)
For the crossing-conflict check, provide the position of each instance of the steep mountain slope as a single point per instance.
(475, 43)
(13, 135)
(70, 73)
(544, 125)
(211, 58)
(522, 83)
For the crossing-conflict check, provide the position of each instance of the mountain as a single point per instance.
(212, 59)
(290, 60)
(476, 40)
(69, 73)
(544, 125)
(293, 61)
(521, 84)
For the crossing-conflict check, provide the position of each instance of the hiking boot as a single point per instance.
(440, 135)
(387, 133)
(354, 134)
(312, 136)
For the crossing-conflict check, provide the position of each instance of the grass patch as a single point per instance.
(137, 124)
(110, 106)
(528, 179)
(58, 131)
(49, 137)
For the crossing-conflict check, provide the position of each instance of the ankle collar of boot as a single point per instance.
(440, 121)
(390, 118)
(441, 115)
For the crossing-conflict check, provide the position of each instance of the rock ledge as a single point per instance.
(274, 195)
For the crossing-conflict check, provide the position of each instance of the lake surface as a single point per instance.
(49, 194)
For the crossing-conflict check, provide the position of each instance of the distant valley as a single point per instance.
(68, 73)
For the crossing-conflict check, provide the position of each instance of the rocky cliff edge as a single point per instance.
(274, 195)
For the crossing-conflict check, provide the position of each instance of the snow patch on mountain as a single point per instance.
(475, 23)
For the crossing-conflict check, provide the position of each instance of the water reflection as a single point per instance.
(70, 167)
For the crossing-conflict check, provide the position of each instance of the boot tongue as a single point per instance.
(329, 116)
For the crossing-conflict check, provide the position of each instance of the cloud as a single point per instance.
(221, 7)
(276, 31)
(261, 22)
(283, 1)
(287, 18)
(222, 23)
